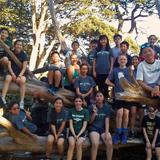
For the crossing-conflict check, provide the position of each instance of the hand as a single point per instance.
(18, 80)
(56, 137)
(155, 91)
(153, 145)
(94, 109)
(94, 74)
(14, 77)
(34, 137)
(148, 145)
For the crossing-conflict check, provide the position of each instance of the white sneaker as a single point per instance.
(21, 105)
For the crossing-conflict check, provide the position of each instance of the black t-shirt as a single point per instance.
(151, 125)
(22, 57)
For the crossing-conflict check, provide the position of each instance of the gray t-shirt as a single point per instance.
(103, 61)
(149, 73)
(20, 121)
(84, 84)
(102, 114)
(116, 52)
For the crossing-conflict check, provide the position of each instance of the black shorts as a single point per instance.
(98, 130)
(118, 104)
(62, 135)
(83, 135)
(157, 141)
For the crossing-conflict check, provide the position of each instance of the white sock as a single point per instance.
(4, 100)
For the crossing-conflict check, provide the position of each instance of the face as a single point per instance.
(93, 46)
(74, 59)
(3, 34)
(78, 103)
(152, 111)
(75, 46)
(18, 47)
(117, 40)
(84, 70)
(135, 61)
(55, 58)
(149, 55)
(99, 98)
(15, 109)
(103, 41)
(58, 104)
(122, 60)
(124, 48)
(152, 40)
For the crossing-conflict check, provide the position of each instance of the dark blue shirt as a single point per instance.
(20, 121)
(22, 57)
(84, 84)
(57, 118)
(114, 77)
(103, 61)
(102, 114)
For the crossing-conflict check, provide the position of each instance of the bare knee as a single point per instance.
(22, 80)
(5, 60)
(8, 78)
(50, 139)
(60, 143)
(58, 73)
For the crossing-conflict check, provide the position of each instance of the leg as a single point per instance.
(125, 117)
(50, 77)
(107, 139)
(158, 153)
(6, 84)
(133, 118)
(50, 141)
(72, 142)
(79, 144)
(94, 138)
(119, 116)
(148, 152)
(57, 79)
(60, 146)
(22, 85)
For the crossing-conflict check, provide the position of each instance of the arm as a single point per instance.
(10, 68)
(107, 125)
(155, 138)
(145, 135)
(25, 130)
(108, 82)
(70, 75)
(94, 114)
(24, 67)
(61, 128)
(84, 95)
(53, 129)
(28, 116)
(71, 127)
(94, 68)
(111, 66)
(83, 128)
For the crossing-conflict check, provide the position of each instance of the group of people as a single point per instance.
(89, 76)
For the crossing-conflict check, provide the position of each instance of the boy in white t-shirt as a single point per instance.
(148, 73)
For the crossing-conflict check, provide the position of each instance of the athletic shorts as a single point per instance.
(118, 104)
(96, 129)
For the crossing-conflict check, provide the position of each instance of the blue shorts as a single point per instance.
(96, 129)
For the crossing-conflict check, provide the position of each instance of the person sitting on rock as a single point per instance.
(16, 74)
(21, 119)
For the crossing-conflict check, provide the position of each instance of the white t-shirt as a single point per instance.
(149, 73)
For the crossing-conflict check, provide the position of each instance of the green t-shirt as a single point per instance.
(78, 118)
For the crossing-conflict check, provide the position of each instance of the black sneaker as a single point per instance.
(2, 104)
(132, 135)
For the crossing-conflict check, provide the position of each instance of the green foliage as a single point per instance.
(90, 27)
(134, 47)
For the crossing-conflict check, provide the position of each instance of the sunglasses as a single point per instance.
(15, 108)
(151, 111)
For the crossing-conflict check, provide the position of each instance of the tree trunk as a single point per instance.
(56, 26)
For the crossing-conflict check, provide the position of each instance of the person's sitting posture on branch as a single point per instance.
(3, 55)
(16, 74)
(21, 120)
